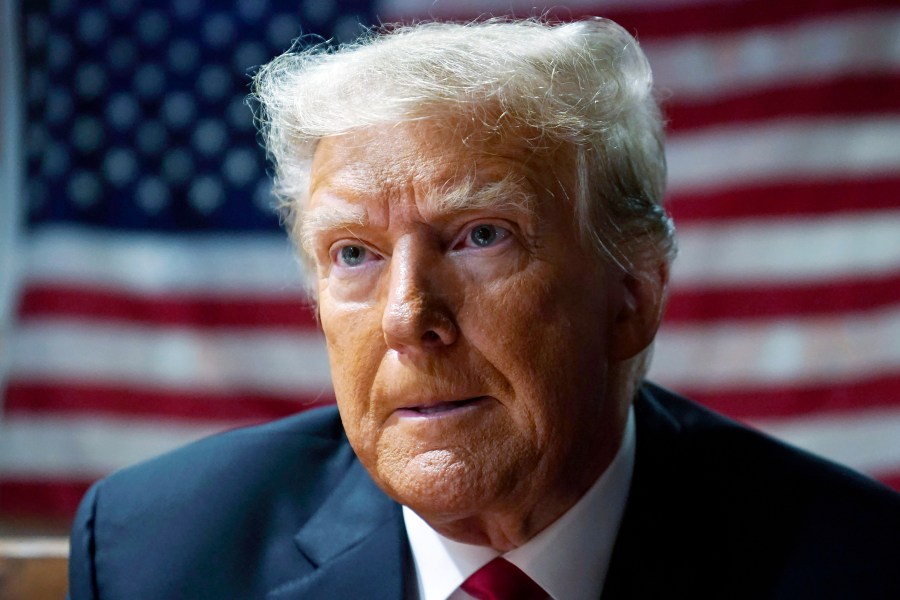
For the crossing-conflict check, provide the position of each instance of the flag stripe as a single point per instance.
(44, 499)
(788, 250)
(171, 358)
(842, 398)
(778, 151)
(890, 478)
(821, 196)
(846, 95)
(868, 440)
(818, 48)
(832, 297)
(150, 263)
(203, 312)
(74, 396)
(736, 355)
(76, 447)
(726, 16)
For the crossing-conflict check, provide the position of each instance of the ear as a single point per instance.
(635, 324)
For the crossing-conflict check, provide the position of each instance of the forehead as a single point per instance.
(429, 161)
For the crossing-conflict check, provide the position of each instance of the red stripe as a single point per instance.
(72, 397)
(46, 500)
(795, 401)
(723, 17)
(791, 300)
(892, 480)
(41, 300)
(665, 21)
(819, 197)
(850, 95)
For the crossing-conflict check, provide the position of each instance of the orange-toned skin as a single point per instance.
(530, 323)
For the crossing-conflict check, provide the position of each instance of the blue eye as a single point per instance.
(485, 235)
(352, 256)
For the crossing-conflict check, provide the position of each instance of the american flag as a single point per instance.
(149, 297)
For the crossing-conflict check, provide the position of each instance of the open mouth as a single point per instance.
(444, 407)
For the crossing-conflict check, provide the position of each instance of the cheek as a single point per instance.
(355, 343)
(548, 339)
(523, 316)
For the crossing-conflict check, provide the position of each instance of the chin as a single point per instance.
(440, 485)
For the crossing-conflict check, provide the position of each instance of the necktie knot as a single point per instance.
(502, 580)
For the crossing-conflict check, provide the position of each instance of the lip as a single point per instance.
(442, 408)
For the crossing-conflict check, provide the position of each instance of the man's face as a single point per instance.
(469, 332)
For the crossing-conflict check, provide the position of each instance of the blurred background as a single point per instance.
(148, 296)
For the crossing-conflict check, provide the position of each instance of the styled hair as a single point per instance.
(586, 85)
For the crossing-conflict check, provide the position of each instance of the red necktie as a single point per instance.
(502, 580)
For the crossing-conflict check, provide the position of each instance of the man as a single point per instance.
(479, 207)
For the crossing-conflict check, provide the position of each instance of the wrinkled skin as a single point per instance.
(470, 346)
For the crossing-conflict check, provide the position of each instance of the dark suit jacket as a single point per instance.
(285, 511)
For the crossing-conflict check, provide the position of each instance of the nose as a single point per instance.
(417, 316)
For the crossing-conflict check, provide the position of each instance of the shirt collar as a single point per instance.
(569, 558)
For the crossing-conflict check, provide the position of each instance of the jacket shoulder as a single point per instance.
(714, 503)
(309, 433)
(218, 514)
(731, 450)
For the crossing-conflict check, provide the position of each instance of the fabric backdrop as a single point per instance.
(152, 298)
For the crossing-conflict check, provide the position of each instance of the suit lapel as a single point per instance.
(667, 546)
(356, 541)
(643, 555)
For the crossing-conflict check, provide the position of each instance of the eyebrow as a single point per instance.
(506, 195)
(329, 218)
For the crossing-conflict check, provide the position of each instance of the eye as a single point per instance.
(351, 256)
(485, 234)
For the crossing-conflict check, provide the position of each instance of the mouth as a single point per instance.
(435, 409)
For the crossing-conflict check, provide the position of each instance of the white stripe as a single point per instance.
(868, 441)
(821, 350)
(170, 358)
(717, 65)
(395, 9)
(223, 263)
(31, 547)
(85, 448)
(788, 150)
(787, 250)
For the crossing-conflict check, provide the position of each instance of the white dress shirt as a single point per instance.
(569, 559)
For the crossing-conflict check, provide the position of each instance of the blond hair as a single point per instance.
(585, 83)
